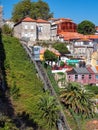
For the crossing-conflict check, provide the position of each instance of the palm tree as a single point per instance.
(78, 99)
(49, 110)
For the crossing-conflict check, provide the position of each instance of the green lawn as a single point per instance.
(21, 73)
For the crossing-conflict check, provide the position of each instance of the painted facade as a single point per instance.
(81, 75)
(61, 25)
(83, 48)
(94, 58)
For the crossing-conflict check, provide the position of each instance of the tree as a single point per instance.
(78, 99)
(21, 9)
(49, 110)
(41, 10)
(35, 10)
(50, 56)
(86, 27)
(61, 47)
(6, 30)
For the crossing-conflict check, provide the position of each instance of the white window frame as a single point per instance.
(26, 26)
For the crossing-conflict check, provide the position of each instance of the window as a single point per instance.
(76, 76)
(90, 76)
(40, 29)
(26, 27)
(82, 76)
(25, 34)
(86, 43)
(69, 77)
(32, 27)
(31, 35)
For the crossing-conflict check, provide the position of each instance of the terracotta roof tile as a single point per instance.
(28, 19)
(41, 21)
(76, 35)
(93, 36)
(70, 35)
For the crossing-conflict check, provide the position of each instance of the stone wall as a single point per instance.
(43, 31)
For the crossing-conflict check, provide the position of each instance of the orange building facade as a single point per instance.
(66, 25)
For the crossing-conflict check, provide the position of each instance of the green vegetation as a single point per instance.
(53, 81)
(78, 100)
(61, 47)
(50, 56)
(24, 86)
(26, 92)
(49, 108)
(6, 30)
(39, 9)
(86, 27)
(62, 64)
(93, 89)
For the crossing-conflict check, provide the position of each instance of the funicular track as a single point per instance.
(63, 125)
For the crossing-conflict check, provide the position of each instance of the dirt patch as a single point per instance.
(92, 125)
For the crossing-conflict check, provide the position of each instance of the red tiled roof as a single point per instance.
(76, 35)
(28, 19)
(93, 36)
(41, 21)
(70, 35)
(53, 50)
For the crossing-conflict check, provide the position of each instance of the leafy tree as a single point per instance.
(35, 10)
(78, 99)
(62, 64)
(50, 56)
(6, 30)
(86, 27)
(21, 9)
(49, 110)
(61, 47)
(40, 9)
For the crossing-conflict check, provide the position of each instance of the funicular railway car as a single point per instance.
(36, 52)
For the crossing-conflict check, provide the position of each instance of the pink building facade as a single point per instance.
(82, 75)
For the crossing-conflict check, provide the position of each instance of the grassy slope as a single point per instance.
(19, 70)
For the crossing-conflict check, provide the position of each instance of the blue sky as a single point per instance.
(77, 10)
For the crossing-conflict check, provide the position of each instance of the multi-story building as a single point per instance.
(43, 29)
(82, 75)
(32, 29)
(94, 58)
(26, 28)
(61, 25)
